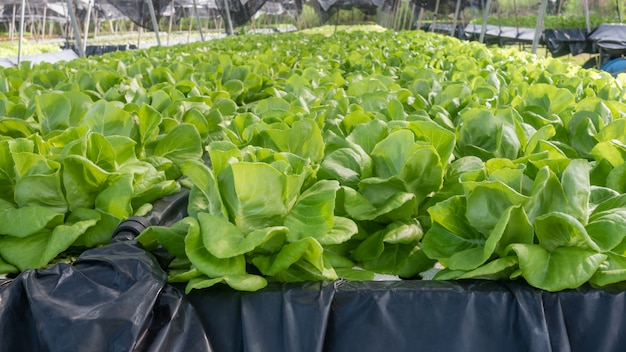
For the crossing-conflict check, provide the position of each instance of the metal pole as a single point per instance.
(435, 16)
(79, 45)
(89, 8)
(539, 28)
(228, 20)
(12, 27)
(169, 31)
(588, 21)
(43, 22)
(155, 24)
(195, 7)
(412, 15)
(619, 11)
(457, 9)
(419, 18)
(19, 46)
(485, 17)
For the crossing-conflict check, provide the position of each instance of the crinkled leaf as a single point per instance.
(44, 190)
(304, 139)
(37, 250)
(99, 234)
(207, 263)
(559, 229)
(443, 140)
(399, 206)
(180, 144)
(29, 220)
(497, 269)
(83, 180)
(108, 119)
(367, 135)
(576, 185)
(347, 166)
(390, 155)
(608, 228)
(547, 195)
(53, 112)
(486, 201)
(224, 240)
(313, 213)
(559, 269)
(422, 173)
(306, 249)
(116, 198)
(612, 271)
(204, 196)
(253, 195)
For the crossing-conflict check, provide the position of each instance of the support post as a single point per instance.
(455, 20)
(420, 15)
(19, 44)
(172, 12)
(412, 15)
(89, 8)
(432, 29)
(43, 22)
(486, 11)
(587, 20)
(79, 45)
(195, 8)
(12, 27)
(539, 28)
(229, 23)
(155, 24)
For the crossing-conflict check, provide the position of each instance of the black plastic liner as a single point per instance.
(560, 42)
(412, 315)
(113, 298)
(610, 37)
(573, 41)
(500, 34)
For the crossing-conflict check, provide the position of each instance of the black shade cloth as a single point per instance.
(571, 41)
(138, 11)
(447, 6)
(610, 37)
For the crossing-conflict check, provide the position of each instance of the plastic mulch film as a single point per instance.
(113, 298)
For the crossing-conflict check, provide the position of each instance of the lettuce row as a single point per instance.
(321, 157)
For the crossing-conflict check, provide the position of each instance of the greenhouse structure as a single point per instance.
(322, 175)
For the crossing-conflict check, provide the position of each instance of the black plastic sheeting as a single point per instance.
(610, 37)
(115, 298)
(444, 7)
(573, 41)
(412, 315)
(501, 35)
(560, 42)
